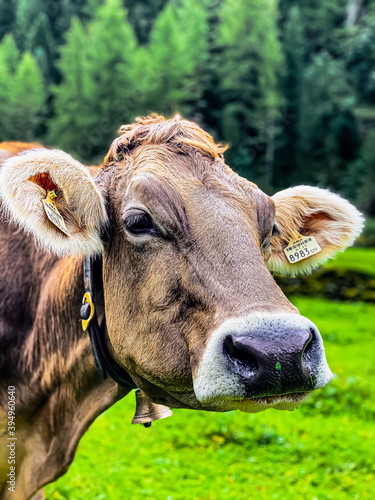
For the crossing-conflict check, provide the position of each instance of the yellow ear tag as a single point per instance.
(303, 247)
(52, 213)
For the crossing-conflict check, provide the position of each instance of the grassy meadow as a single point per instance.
(355, 259)
(323, 450)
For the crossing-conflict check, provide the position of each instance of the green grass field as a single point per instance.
(355, 259)
(323, 450)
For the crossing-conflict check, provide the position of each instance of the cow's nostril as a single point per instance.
(309, 345)
(244, 361)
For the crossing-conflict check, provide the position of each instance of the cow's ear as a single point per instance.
(314, 222)
(55, 198)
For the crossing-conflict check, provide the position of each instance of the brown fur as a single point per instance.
(158, 131)
(8, 149)
(164, 296)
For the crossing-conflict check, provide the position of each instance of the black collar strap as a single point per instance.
(91, 314)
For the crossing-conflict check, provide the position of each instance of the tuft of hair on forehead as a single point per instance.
(156, 130)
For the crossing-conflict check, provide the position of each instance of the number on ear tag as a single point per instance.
(300, 249)
(52, 213)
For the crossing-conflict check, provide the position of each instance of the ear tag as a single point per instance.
(52, 213)
(303, 247)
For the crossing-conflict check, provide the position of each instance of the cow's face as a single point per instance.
(193, 314)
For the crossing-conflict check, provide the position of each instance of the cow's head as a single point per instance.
(193, 313)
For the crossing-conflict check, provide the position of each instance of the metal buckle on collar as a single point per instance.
(87, 310)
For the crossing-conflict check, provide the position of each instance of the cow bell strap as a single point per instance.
(92, 311)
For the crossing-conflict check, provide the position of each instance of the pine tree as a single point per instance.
(41, 44)
(7, 15)
(33, 32)
(9, 57)
(27, 97)
(9, 53)
(165, 62)
(62, 12)
(209, 105)
(250, 61)
(22, 95)
(72, 111)
(113, 71)
(27, 12)
(293, 45)
(99, 88)
(329, 135)
(321, 18)
(177, 53)
(142, 16)
(360, 55)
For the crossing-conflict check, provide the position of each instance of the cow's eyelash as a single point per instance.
(140, 223)
(275, 230)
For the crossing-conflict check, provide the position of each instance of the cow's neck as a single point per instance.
(59, 392)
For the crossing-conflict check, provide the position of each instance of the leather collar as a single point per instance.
(93, 320)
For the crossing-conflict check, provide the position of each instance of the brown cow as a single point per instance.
(192, 312)
(9, 149)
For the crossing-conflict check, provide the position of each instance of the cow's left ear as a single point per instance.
(314, 224)
(55, 198)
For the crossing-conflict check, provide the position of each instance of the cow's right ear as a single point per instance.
(55, 198)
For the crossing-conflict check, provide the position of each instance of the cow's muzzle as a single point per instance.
(262, 356)
(269, 367)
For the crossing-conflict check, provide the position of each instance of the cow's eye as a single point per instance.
(140, 223)
(275, 230)
(266, 245)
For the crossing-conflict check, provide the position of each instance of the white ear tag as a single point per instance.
(300, 249)
(52, 213)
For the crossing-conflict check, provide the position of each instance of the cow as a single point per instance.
(8, 149)
(193, 316)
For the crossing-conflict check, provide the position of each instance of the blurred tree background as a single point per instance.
(288, 84)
